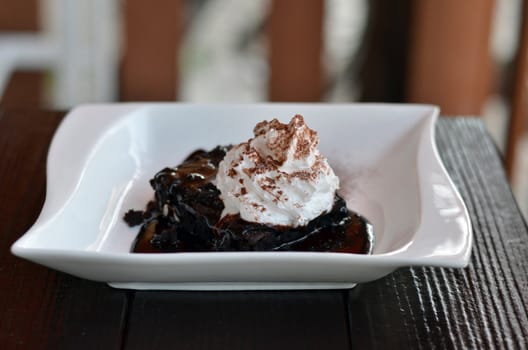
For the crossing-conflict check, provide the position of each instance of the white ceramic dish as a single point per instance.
(102, 157)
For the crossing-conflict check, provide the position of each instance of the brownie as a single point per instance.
(185, 216)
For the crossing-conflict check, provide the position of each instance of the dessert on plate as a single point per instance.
(274, 192)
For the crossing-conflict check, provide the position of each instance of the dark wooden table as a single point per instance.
(481, 307)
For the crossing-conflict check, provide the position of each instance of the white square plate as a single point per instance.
(102, 157)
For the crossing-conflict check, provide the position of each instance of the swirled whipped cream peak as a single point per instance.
(278, 177)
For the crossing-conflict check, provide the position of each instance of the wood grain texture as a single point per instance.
(41, 308)
(27, 291)
(498, 274)
(238, 320)
(480, 307)
(87, 315)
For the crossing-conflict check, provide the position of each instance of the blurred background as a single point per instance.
(469, 57)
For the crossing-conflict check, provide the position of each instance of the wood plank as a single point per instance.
(449, 61)
(496, 274)
(149, 70)
(519, 103)
(296, 45)
(42, 308)
(25, 89)
(382, 58)
(87, 315)
(238, 320)
(26, 291)
(480, 307)
(19, 15)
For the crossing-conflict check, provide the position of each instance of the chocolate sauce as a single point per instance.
(185, 217)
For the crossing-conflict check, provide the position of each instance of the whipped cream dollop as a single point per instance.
(278, 177)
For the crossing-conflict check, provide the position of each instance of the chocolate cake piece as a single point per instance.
(185, 216)
(185, 208)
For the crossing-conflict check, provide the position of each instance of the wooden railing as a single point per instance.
(444, 58)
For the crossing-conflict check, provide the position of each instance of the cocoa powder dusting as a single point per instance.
(231, 172)
(280, 141)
